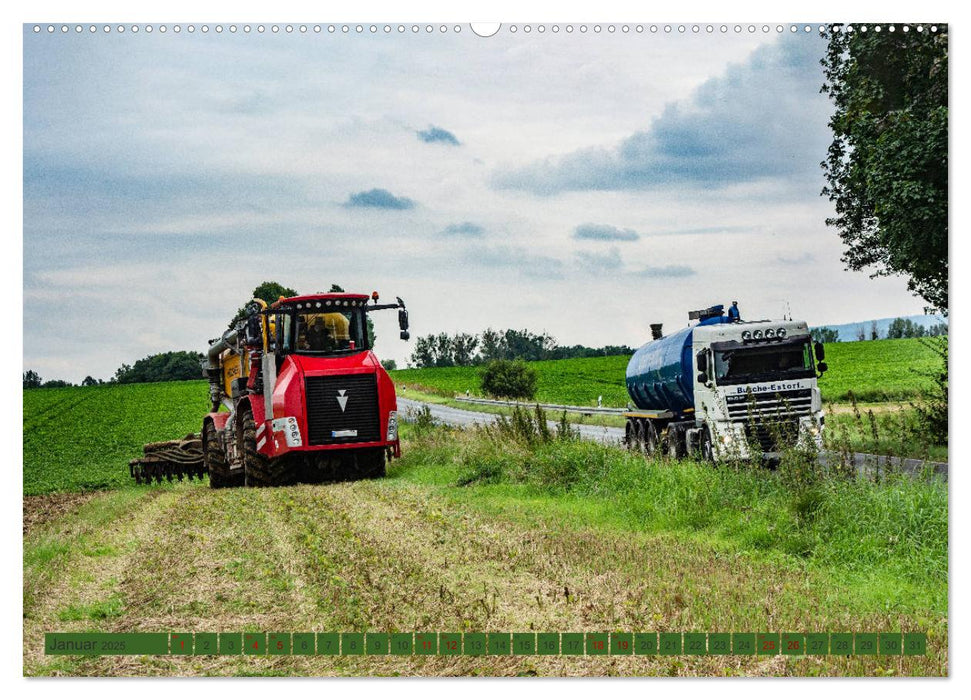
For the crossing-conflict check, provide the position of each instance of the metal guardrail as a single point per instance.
(585, 410)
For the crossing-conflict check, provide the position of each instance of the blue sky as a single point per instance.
(584, 185)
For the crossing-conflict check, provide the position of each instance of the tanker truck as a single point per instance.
(725, 388)
(298, 395)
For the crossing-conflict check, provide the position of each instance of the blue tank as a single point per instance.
(660, 374)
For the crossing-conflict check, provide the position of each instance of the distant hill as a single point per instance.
(848, 331)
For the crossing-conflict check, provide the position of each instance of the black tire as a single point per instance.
(674, 442)
(630, 434)
(259, 470)
(638, 445)
(705, 447)
(370, 464)
(651, 440)
(215, 461)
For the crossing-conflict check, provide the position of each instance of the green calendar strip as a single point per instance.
(488, 643)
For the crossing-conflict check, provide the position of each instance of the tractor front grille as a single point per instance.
(346, 405)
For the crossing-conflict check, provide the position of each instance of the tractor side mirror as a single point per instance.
(820, 351)
(702, 378)
(702, 360)
(822, 367)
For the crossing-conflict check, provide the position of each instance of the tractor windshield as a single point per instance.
(793, 360)
(323, 333)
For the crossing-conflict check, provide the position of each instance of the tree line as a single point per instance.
(899, 328)
(465, 349)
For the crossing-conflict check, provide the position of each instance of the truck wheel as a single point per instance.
(650, 438)
(259, 470)
(630, 434)
(707, 451)
(674, 442)
(215, 460)
(638, 444)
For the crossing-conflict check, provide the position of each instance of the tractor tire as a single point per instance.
(370, 464)
(258, 469)
(215, 460)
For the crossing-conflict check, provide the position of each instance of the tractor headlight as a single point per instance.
(392, 426)
(781, 333)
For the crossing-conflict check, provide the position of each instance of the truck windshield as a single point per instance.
(767, 363)
(329, 333)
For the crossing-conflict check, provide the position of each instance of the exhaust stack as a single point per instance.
(656, 331)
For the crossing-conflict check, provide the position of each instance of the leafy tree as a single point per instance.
(268, 292)
(463, 349)
(887, 166)
(442, 348)
(389, 365)
(937, 330)
(163, 367)
(424, 354)
(89, 381)
(32, 380)
(825, 334)
(874, 331)
(905, 328)
(55, 384)
(510, 379)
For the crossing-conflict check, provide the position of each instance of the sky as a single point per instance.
(580, 184)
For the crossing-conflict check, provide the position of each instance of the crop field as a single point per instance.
(81, 438)
(876, 370)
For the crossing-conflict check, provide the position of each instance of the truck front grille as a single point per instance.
(769, 406)
(357, 421)
(772, 437)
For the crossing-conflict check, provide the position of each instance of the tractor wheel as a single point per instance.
(370, 464)
(260, 470)
(215, 460)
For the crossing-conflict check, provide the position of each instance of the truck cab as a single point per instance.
(727, 388)
(755, 388)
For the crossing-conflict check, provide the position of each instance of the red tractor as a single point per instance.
(298, 395)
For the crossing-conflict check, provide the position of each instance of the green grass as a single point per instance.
(887, 541)
(876, 370)
(81, 438)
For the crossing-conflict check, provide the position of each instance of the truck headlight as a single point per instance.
(769, 333)
(746, 335)
(781, 333)
(392, 426)
(757, 334)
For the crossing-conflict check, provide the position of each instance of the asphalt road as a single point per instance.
(864, 463)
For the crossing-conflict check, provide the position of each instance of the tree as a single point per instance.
(905, 328)
(423, 355)
(825, 335)
(509, 379)
(268, 292)
(860, 332)
(55, 384)
(32, 380)
(463, 349)
(887, 166)
(874, 331)
(163, 367)
(89, 381)
(389, 365)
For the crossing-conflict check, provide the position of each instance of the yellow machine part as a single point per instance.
(233, 366)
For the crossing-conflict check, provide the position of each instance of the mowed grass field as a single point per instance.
(603, 546)
(874, 371)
